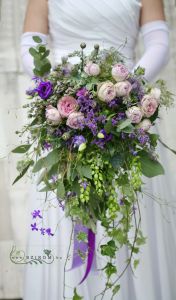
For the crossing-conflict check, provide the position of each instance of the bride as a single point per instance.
(67, 23)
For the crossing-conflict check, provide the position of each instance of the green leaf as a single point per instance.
(81, 236)
(128, 129)
(108, 126)
(37, 39)
(21, 149)
(116, 289)
(136, 263)
(76, 296)
(46, 162)
(84, 171)
(23, 172)
(167, 147)
(109, 249)
(60, 189)
(33, 52)
(123, 124)
(110, 269)
(117, 160)
(149, 166)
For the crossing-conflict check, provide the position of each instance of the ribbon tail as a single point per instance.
(91, 251)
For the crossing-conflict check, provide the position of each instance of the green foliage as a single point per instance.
(110, 269)
(47, 162)
(60, 189)
(84, 171)
(109, 249)
(149, 166)
(21, 149)
(116, 289)
(76, 296)
(23, 172)
(123, 124)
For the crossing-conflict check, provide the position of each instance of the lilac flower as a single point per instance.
(45, 89)
(120, 116)
(115, 102)
(58, 132)
(137, 88)
(84, 184)
(42, 230)
(36, 213)
(48, 231)
(47, 146)
(133, 152)
(143, 139)
(123, 135)
(121, 202)
(82, 92)
(114, 121)
(54, 178)
(33, 89)
(132, 135)
(34, 227)
(78, 140)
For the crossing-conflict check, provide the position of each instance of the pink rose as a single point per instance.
(53, 115)
(123, 88)
(119, 72)
(135, 114)
(66, 105)
(92, 69)
(106, 91)
(149, 105)
(75, 119)
(145, 124)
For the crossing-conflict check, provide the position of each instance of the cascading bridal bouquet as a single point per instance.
(89, 140)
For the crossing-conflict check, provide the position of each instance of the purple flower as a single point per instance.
(101, 142)
(42, 230)
(34, 227)
(48, 231)
(82, 92)
(123, 135)
(143, 139)
(137, 88)
(115, 102)
(121, 202)
(54, 178)
(45, 89)
(33, 89)
(36, 213)
(132, 135)
(78, 140)
(47, 146)
(133, 152)
(84, 184)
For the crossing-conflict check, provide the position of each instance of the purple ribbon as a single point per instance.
(84, 248)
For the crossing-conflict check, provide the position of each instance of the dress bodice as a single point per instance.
(106, 22)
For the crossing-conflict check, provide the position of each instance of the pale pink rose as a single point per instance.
(53, 115)
(123, 88)
(145, 124)
(119, 72)
(135, 114)
(149, 105)
(75, 119)
(156, 93)
(106, 91)
(92, 69)
(66, 105)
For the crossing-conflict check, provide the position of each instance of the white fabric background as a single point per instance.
(13, 204)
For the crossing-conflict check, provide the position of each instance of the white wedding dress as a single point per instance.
(108, 23)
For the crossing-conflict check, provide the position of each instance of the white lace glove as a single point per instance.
(156, 42)
(27, 42)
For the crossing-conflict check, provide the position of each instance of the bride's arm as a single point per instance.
(156, 38)
(36, 23)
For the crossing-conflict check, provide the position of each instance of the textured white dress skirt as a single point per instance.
(108, 23)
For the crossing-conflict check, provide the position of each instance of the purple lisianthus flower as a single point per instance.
(34, 227)
(137, 88)
(102, 141)
(115, 102)
(78, 140)
(36, 213)
(48, 231)
(143, 139)
(45, 89)
(42, 230)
